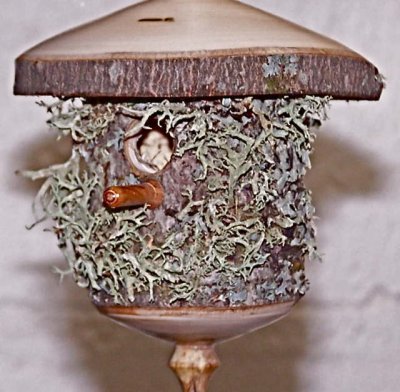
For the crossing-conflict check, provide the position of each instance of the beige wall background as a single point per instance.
(344, 336)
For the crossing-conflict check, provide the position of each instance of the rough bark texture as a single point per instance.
(236, 224)
(212, 75)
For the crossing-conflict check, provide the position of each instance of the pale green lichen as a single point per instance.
(279, 65)
(278, 68)
(239, 242)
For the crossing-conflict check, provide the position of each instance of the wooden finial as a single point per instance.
(194, 364)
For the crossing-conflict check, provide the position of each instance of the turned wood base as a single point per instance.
(194, 364)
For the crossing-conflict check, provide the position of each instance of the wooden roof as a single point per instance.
(193, 49)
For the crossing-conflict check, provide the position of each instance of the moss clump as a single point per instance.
(236, 225)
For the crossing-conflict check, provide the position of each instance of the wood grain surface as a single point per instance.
(194, 49)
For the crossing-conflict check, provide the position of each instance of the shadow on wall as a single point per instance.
(119, 360)
(340, 171)
(38, 153)
(116, 359)
(265, 360)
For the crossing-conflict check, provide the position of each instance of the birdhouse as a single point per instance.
(182, 209)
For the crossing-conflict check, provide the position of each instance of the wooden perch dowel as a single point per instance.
(150, 193)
